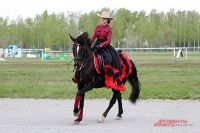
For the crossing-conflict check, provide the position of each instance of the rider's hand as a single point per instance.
(98, 46)
(95, 48)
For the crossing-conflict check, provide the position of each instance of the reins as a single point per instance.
(83, 61)
(83, 64)
(80, 63)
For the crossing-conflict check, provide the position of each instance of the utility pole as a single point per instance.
(180, 19)
(198, 32)
(21, 37)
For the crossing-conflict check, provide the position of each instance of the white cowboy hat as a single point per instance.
(105, 14)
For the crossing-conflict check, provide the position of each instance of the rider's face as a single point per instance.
(104, 20)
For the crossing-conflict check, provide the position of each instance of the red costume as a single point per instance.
(103, 32)
(112, 66)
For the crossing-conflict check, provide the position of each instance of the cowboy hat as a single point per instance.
(105, 14)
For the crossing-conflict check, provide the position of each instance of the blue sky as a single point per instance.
(29, 8)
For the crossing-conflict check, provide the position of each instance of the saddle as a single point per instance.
(98, 63)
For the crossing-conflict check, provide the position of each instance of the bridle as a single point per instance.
(79, 63)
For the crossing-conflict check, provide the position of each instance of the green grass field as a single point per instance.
(160, 74)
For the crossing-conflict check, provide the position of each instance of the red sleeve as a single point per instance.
(109, 38)
(94, 35)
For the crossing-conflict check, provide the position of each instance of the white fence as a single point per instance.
(65, 55)
(36, 53)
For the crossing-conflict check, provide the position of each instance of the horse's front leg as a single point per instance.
(79, 113)
(76, 105)
(78, 98)
(79, 101)
(86, 88)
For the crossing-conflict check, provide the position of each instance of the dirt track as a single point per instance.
(55, 116)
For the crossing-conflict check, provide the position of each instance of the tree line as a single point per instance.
(130, 29)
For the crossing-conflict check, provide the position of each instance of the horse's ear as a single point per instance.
(72, 38)
(85, 34)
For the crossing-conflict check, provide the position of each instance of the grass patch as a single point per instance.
(160, 74)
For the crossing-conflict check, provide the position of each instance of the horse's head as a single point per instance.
(81, 48)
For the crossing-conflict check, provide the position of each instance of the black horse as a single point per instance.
(89, 78)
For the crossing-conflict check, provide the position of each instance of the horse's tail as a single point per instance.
(133, 79)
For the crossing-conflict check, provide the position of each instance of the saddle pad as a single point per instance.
(97, 60)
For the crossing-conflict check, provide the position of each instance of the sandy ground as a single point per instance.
(55, 116)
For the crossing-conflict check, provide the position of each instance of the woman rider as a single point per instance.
(101, 38)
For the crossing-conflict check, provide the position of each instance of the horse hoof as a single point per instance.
(77, 114)
(118, 118)
(76, 123)
(102, 119)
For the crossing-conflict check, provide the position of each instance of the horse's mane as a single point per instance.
(84, 38)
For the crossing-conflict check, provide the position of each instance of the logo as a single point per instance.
(171, 123)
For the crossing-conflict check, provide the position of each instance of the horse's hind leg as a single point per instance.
(112, 102)
(120, 108)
